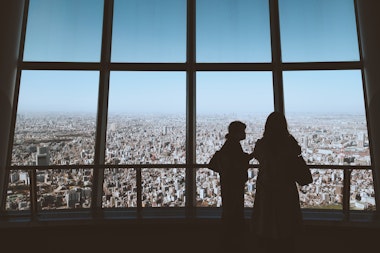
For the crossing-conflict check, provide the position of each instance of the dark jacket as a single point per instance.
(233, 166)
(276, 211)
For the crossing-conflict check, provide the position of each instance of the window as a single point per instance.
(233, 31)
(121, 103)
(149, 31)
(318, 31)
(64, 30)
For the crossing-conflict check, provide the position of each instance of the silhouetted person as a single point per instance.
(276, 217)
(232, 167)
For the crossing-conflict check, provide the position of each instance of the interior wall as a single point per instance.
(11, 12)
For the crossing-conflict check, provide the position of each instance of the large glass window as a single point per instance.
(163, 187)
(233, 31)
(326, 191)
(147, 118)
(128, 129)
(326, 114)
(149, 31)
(56, 118)
(119, 188)
(318, 30)
(223, 97)
(64, 188)
(64, 30)
(18, 192)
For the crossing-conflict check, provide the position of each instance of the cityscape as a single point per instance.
(69, 139)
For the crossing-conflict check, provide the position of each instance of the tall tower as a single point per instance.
(361, 138)
(42, 156)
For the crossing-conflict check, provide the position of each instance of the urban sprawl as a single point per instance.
(63, 139)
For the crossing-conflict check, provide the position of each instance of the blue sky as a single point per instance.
(227, 31)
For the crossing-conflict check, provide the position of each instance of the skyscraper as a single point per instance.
(42, 157)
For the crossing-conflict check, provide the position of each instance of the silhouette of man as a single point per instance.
(232, 163)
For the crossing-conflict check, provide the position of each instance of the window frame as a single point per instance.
(191, 67)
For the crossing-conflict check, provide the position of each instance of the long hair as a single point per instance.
(276, 127)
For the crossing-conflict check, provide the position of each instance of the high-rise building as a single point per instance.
(42, 157)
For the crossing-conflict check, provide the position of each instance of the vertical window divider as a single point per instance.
(366, 106)
(276, 56)
(190, 109)
(14, 112)
(104, 78)
(139, 192)
(346, 193)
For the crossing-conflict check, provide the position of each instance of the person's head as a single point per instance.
(236, 131)
(276, 125)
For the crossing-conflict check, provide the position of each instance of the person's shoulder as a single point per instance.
(259, 141)
(292, 139)
(260, 144)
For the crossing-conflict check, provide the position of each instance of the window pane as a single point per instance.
(362, 190)
(326, 191)
(208, 188)
(147, 118)
(318, 30)
(64, 188)
(18, 192)
(233, 31)
(64, 30)
(326, 114)
(149, 31)
(56, 118)
(250, 187)
(209, 192)
(223, 97)
(119, 188)
(163, 187)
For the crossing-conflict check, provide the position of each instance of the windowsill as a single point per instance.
(312, 217)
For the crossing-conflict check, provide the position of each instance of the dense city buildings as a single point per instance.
(62, 139)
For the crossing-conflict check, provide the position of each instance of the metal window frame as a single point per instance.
(191, 67)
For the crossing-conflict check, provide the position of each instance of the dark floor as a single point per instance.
(175, 236)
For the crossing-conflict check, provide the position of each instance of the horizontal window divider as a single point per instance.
(347, 65)
(340, 167)
(168, 166)
(148, 66)
(60, 66)
(234, 66)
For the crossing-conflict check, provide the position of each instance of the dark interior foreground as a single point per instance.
(175, 236)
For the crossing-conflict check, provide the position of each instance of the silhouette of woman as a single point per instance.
(276, 216)
(232, 167)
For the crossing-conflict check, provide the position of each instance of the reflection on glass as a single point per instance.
(18, 191)
(362, 196)
(64, 30)
(64, 188)
(56, 118)
(149, 31)
(223, 97)
(326, 114)
(163, 187)
(318, 30)
(147, 118)
(326, 191)
(233, 31)
(119, 188)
